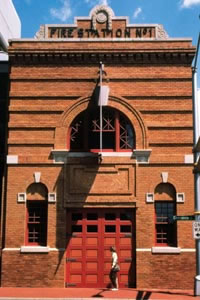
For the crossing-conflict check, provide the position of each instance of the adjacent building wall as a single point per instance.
(10, 27)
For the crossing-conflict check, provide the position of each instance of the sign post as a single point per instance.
(196, 230)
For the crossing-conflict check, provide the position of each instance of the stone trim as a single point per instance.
(166, 250)
(11, 249)
(21, 197)
(12, 159)
(150, 198)
(182, 250)
(52, 197)
(189, 158)
(61, 155)
(180, 197)
(143, 249)
(34, 249)
(188, 250)
(142, 156)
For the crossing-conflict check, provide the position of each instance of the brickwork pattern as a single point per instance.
(45, 96)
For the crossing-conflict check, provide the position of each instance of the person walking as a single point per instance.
(114, 269)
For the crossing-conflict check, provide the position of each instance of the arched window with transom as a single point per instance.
(165, 209)
(36, 215)
(117, 131)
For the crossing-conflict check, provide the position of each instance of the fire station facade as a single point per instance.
(67, 198)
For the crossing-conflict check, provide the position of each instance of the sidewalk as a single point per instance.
(95, 293)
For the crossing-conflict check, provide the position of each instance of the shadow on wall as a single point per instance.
(68, 196)
(66, 186)
(77, 181)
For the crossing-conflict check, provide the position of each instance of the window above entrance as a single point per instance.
(117, 131)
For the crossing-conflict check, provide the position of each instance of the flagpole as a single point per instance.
(101, 117)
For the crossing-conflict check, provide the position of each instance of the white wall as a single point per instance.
(10, 25)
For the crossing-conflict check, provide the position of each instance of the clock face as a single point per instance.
(102, 17)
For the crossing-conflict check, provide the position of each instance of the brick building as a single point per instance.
(10, 27)
(69, 197)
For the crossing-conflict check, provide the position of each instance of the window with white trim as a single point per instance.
(165, 228)
(36, 225)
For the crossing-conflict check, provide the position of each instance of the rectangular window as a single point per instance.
(76, 216)
(110, 216)
(92, 228)
(36, 223)
(110, 228)
(92, 216)
(125, 228)
(165, 228)
(76, 228)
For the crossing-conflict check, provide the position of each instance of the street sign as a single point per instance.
(183, 218)
(196, 230)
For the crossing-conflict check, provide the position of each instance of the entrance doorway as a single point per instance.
(90, 233)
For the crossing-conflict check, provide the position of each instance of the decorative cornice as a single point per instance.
(95, 58)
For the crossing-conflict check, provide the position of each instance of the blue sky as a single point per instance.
(180, 18)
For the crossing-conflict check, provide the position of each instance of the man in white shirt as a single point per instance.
(114, 269)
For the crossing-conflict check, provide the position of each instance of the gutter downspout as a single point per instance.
(196, 134)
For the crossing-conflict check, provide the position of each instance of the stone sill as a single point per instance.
(166, 250)
(34, 249)
(61, 155)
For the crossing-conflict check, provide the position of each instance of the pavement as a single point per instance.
(95, 293)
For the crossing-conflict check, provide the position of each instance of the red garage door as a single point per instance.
(90, 233)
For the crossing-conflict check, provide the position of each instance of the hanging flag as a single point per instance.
(103, 95)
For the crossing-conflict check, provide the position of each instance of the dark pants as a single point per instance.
(113, 277)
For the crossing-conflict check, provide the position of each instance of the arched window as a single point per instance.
(117, 131)
(165, 209)
(36, 216)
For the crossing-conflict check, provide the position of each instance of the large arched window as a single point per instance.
(117, 131)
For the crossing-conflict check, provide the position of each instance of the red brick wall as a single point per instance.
(45, 97)
(165, 271)
(33, 270)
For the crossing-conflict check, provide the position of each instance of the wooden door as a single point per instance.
(90, 233)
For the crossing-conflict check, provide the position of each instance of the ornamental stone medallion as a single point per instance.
(102, 14)
(102, 17)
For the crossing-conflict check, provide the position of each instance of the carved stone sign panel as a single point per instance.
(101, 24)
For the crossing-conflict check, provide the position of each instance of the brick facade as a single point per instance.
(52, 80)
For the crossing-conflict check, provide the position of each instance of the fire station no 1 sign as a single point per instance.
(196, 230)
